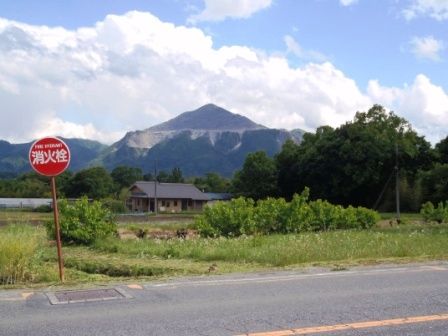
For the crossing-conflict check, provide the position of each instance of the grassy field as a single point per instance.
(144, 259)
(22, 216)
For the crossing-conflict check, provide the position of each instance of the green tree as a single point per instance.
(163, 176)
(176, 176)
(442, 150)
(26, 185)
(286, 162)
(93, 182)
(258, 177)
(148, 177)
(125, 176)
(212, 182)
(63, 182)
(351, 164)
(434, 184)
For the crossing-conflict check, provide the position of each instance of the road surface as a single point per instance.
(380, 300)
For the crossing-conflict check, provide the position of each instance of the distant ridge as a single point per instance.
(208, 117)
(14, 157)
(208, 139)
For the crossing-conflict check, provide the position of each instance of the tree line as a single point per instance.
(354, 164)
(98, 183)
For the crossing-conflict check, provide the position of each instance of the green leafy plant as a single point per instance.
(228, 218)
(437, 214)
(83, 222)
(270, 214)
(115, 206)
(242, 216)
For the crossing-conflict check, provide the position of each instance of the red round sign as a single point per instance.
(49, 156)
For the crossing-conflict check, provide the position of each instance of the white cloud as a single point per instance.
(296, 49)
(426, 48)
(436, 9)
(347, 2)
(423, 103)
(223, 9)
(133, 71)
(54, 127)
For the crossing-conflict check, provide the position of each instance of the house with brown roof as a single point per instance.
(169, 197)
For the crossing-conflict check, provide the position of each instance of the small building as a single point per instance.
(171, 197)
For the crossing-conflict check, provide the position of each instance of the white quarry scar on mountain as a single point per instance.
(148, 140)
(209, 121)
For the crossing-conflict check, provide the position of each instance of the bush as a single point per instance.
(82, 222)
(437, 214)
(240, 216)
(43, 208)
(366, 218)
(18, 245)
(115, 206)
(298, 214)
(270, 214)
(231, 218)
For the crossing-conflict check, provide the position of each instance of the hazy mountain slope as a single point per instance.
(205, 140)
(209, 139)
(14, 157)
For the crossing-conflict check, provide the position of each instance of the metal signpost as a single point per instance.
(50, 157)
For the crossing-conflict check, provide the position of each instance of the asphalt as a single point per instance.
(413, 298)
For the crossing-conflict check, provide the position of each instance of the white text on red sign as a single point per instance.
(49, 155)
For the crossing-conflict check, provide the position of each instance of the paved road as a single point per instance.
(394, 300)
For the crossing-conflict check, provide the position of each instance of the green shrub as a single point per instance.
(437, 214)
(115, 206)
(299, 214)
(231, 218)
(240, 216)
(366, 218)
(18, 244)
(82, 222)
(43, 208)
(270, 215)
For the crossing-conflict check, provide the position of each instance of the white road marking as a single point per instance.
(292, 277)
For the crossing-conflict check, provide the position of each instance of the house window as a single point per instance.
(163, 203)
(167, 204)
(175, 203)
(190, 202)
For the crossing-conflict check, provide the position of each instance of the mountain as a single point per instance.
(208, 117)
(14, 157)
(209, 120)
(209, 139)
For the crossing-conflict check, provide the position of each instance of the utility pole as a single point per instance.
(397, 184)
(155, 187)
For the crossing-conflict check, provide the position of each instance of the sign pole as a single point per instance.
(57, 228)
(50, 157)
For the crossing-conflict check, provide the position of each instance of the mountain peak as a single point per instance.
(208, 117)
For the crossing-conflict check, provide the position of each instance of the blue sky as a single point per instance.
(283, 63)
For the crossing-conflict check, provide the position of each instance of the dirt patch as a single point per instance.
(149, 219)
(157, 234)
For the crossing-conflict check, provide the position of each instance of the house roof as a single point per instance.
(171, 190)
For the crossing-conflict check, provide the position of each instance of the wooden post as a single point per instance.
(397, 184)
(57, 229)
